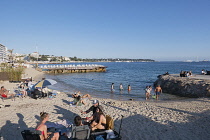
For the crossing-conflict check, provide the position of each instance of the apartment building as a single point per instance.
(3, 54)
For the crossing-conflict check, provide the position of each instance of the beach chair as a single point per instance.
(80, 132)
(31, 134)
(18, 93)
(109, 130)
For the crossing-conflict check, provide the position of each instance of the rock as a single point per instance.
(183, 86)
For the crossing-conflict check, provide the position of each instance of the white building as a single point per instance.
(35, 54)
(3, 53)
(66, 58)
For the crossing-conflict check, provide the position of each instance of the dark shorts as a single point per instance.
(157, 93)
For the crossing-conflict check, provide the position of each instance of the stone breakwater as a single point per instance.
(196, 86)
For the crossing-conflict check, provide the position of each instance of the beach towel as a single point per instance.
(59, 124)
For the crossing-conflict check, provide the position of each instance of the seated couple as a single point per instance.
(78, 99)
(43, 128)
(98, 119)
(5, 93)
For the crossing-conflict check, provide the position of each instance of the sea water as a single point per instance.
(137, 74)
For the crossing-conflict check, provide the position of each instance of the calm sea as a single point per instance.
(137, 74)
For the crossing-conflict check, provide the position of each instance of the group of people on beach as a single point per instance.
(24, 89)
(120, 87)
(97, 120)
(185, 73)
(148, 90)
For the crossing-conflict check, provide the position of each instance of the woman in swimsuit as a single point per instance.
(43, 128)
(99, 119)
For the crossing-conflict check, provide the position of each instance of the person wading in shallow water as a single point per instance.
(158, 90)
(112, 87)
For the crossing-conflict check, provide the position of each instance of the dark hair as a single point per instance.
(43, 115)
(78, 97)
(101, 110)
(77, 120)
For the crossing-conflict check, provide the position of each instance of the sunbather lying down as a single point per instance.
(78, 99)
(5, 93)
(76, 94)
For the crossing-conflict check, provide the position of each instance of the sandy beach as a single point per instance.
(146, 120)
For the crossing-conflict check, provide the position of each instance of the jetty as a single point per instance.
(56, 69)
(194, 86)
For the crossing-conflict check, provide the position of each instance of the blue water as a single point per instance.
(137, 74)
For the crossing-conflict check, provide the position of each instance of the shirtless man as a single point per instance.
(4, 93)
(158, 90)
(76, 94)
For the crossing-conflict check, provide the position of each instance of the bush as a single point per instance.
(14, 73)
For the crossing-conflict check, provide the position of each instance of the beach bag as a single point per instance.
(31, 134)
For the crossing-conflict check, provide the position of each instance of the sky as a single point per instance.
(173, 30)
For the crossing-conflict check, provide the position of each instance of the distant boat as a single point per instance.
(205, 60)
(188, 61)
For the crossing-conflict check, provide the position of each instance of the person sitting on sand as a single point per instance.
(23, 90)
(5, 93)
(43, 128)
(203, 72)
(78, 121)
(92, 108)
(78, 100)
(158, 90)
(98, 119)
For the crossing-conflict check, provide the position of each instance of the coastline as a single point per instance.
(182, 119)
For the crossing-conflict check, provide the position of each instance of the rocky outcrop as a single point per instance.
(184, 86)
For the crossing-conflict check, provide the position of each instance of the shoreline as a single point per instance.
(180, 119)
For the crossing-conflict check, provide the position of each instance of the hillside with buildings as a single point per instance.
(8, 55)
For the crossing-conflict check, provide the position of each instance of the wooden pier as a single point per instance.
(55, 69)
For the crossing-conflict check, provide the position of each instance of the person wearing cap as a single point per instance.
(92, 108)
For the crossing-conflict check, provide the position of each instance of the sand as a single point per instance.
(146, 120)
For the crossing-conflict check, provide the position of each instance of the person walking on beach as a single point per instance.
(112, 87)
(158, 90)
